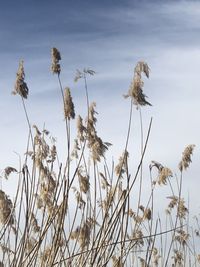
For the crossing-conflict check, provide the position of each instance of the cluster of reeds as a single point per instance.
(82, 212)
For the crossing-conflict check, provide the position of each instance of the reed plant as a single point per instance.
(81, 212)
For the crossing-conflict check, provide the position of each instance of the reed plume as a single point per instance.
(21, 87)
(136, 88)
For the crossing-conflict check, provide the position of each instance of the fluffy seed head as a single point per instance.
(138, 235)
(6, 209)
(163, 172)
(117, 261)
(136, 87)
(56, 57)
(34, 223)
(143, 262)
(82, 234)
(163, 175)
(186, 157)
(81, 129)
(121, 167)
(83, 182)
(198, 258)
(21, 87)
(8, 170)
(147, 214)
(98, 149)
(44, 256)
(68, 105)
(178, 258)
(81, 203)
(182, 237)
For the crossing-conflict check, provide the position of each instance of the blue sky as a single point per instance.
(109, 37)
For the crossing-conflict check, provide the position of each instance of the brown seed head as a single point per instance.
(98, 148)
(82, 234)
(83, 182)
(147, 214)
(178, 258)
(136, 87)
(21, 87)
(163, 175)
(117, 261)
(163, 172)
(56, 57)
(8, 170)
(6, 209)
(143, 262)
(34, 223)
(186, 158)
(81, 129)
(81, 203)
(121, 167)
(198, 258)
(182, 237)
(68, 105)
(45, 255)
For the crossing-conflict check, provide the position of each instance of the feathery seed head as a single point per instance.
(81, 129)
(76, 147)
(81, 203)
(178, 258)
(163, 175)
(147, 214)
(81, 74)
(143, 262)
(34, 223)
(8, 170)
(198, 258)
(21, 87)
(95, 143)
(56, 57)
(156, 257)
(6, 209)
(82, 234)
(104, 182)
(83, 182)
(182, 237)
(45, 255)
(98, 149)
(78, 75)
(186, 158)
(68, 105)
(136, 87)
(142, 67)
(30, 243)
(117, 261)
(53, 154)
(92, 119)
(138, 235)
(163, 172)
(121, 167)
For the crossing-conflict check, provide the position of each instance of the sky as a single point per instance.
(109, 37)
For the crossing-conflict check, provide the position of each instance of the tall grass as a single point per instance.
(80, 212)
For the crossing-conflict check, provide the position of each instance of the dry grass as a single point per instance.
(81, 212)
